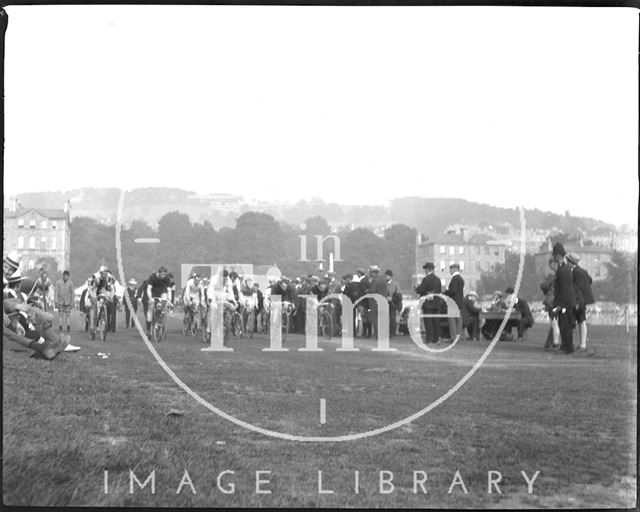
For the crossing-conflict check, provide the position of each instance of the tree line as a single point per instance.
(260, 239)
(257, 238)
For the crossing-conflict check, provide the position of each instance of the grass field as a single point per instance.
(572, 418)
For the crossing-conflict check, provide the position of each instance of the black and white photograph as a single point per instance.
(320, 256)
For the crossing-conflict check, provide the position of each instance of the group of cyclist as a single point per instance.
(241, 295)
(158, 287)
(244, 296)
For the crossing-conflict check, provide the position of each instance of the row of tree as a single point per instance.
(257, 238)
(260, 239)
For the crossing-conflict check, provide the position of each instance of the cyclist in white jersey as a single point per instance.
(193, 291)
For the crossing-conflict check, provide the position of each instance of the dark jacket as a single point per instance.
(288, 295)
(564, 291)
(142, 293)
(456, 290)
(430, 284)
(319, 293)
(353, 291)
(379, 286)
(525, 312)
(547, 289)
(472, 307)
(132, 296)
(582, 281)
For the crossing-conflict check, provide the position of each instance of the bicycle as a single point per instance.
(232, 321)
(325, 320)
(98, 317)
(192, 321)
(159, 321)
(250, 323)
(206, 328)
(287, 309)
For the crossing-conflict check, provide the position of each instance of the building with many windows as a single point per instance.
(475, 254)
(593, 259)
(37, 233)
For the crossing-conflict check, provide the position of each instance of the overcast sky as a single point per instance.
(532, 106)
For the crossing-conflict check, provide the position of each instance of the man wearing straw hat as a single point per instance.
(582, 282)
(10, 263)
(30, 326)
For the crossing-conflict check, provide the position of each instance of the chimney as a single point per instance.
(549, 244)
(13, 204)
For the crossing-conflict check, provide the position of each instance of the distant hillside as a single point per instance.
(432, 215)
(428, 215)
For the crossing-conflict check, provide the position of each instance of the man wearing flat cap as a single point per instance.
(430, 284)
(584, 295)
(564, 300)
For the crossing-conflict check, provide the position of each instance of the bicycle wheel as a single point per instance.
(226, 325)
(196, 325)
(92, 323)
(163, 329)
(102, 323)
(325, 325)
(250, 323)
(266, 320)
(205, 324)
(285, 326)
(156, 328)
(236, 324)
(186, 322)
(156, 332)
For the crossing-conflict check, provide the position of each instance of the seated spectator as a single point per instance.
(24, 322)
(491, 326)
(473, 309)
(521, 306)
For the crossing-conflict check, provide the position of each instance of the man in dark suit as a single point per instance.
(378, 286)
(430, 284)
(520, 306)
(456, 292)
(564, 300)
(364, 306)
(584, 295)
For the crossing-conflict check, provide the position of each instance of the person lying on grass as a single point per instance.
(13, 330)
(22, 322)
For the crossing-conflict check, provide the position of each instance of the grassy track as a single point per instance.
(570, 417)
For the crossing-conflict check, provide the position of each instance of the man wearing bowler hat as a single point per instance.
(584, 296)
(564, 300)
(430, 284)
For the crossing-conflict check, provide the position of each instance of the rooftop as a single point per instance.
(50, 213)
